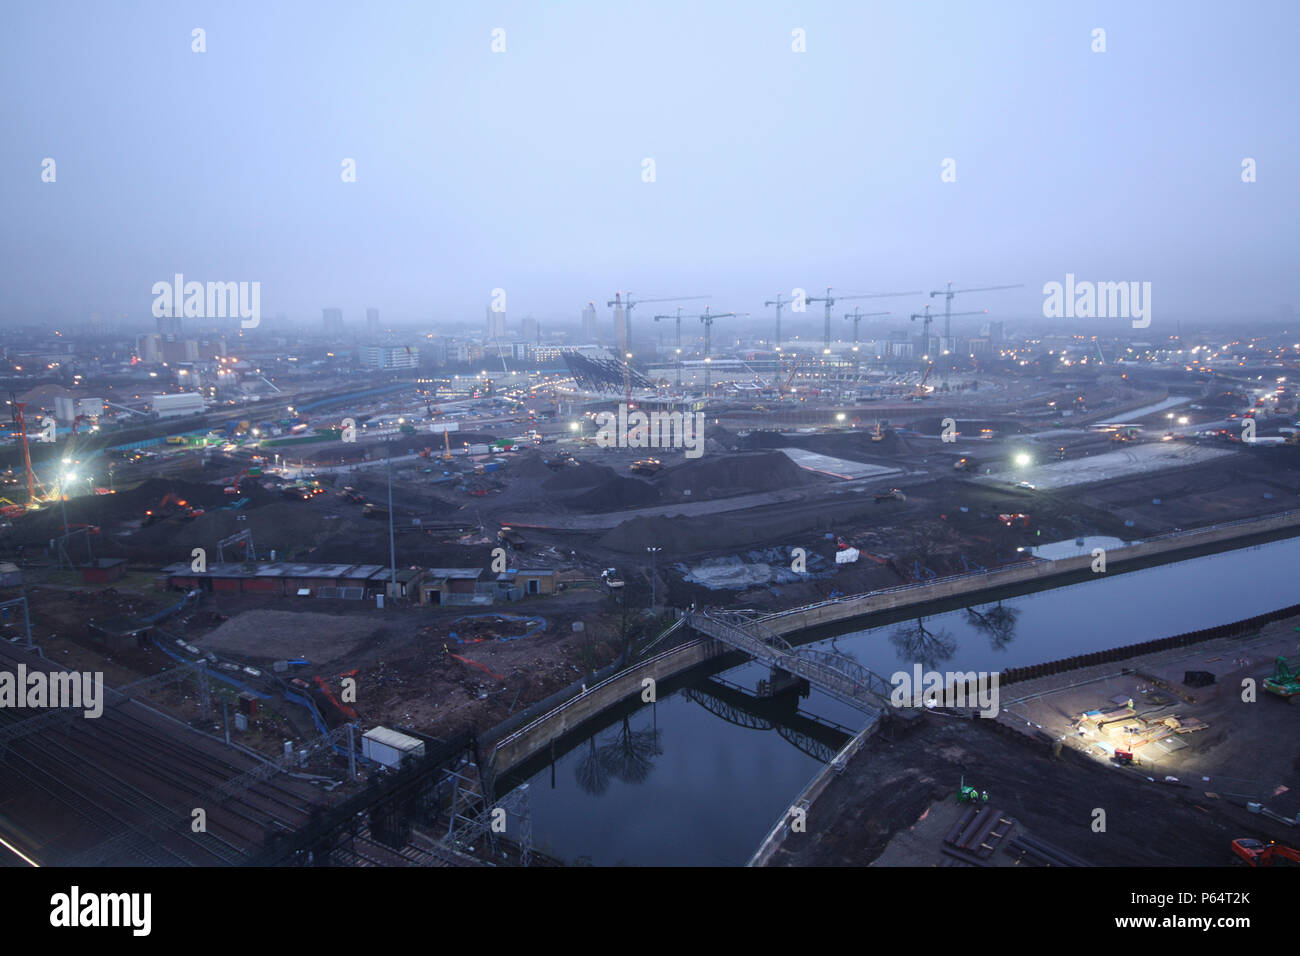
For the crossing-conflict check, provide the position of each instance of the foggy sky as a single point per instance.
(523, 170)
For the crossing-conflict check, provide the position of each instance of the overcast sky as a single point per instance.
(523, 170)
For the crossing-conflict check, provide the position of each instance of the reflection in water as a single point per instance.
(590, 771)
(627, 756)
(630, 755)
(998, 622)
(916, 642)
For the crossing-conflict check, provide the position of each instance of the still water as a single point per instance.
(700, 777)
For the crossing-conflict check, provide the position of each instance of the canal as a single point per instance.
(699, 777)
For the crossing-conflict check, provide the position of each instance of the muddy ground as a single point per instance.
(1177, 808)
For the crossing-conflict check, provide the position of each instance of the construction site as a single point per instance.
(440, 570)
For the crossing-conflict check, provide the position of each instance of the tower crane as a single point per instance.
(949, 292)
(620, 304)
(628, 304)
(779, 305)
(830, 301)
(857, 315)
(678, 318)
(925, 331)
(708, 320)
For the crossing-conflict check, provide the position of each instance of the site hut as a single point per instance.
(103, 570)
(408, 582)
(389, 748)
(348, 581)
(454, 586)
(513, 585)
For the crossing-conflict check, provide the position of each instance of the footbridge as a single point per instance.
(840, 676)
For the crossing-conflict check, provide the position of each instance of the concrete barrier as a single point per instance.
(873, 602)
(820, 781)
(527, 740)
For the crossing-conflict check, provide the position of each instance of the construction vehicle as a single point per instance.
(611, 578)
(647, 466)
(920, 393)
(170, 507)
(234, 487)
(1285, 680)
(510, 536)
(372, 510)
(351, 495)
(967, 794)
(893, 494)
(878, 433)
(964, 464)
(784, 388)
(10, 509)
(1257, 853)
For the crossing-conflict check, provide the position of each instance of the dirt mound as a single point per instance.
(107, 511)
(733, 475)
(618, 492)
(288, 528)
(855, 445)
(531, 466)
(586, 475)
(675, 535)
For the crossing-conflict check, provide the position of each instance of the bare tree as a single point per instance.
(998, 622)
(916, 642)
(630, 755)
(590, 771)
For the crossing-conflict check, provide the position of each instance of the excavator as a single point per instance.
(171, 506)
(1285, 681)
(1255, 853)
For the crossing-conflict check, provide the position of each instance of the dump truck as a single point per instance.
(647, 466)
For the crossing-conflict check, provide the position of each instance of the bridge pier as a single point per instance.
(781, 682)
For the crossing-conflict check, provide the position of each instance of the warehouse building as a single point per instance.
(173, 406)
(513, 585)
(453, 586)
(349, 581)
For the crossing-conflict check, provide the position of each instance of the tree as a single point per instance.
(998, 622)
(630, 755)
(590, 771)
(916, 642)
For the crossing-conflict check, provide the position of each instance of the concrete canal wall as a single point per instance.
(913, 595)
(514, 749)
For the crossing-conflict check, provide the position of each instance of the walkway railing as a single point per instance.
(965, 575)
(840, 676)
